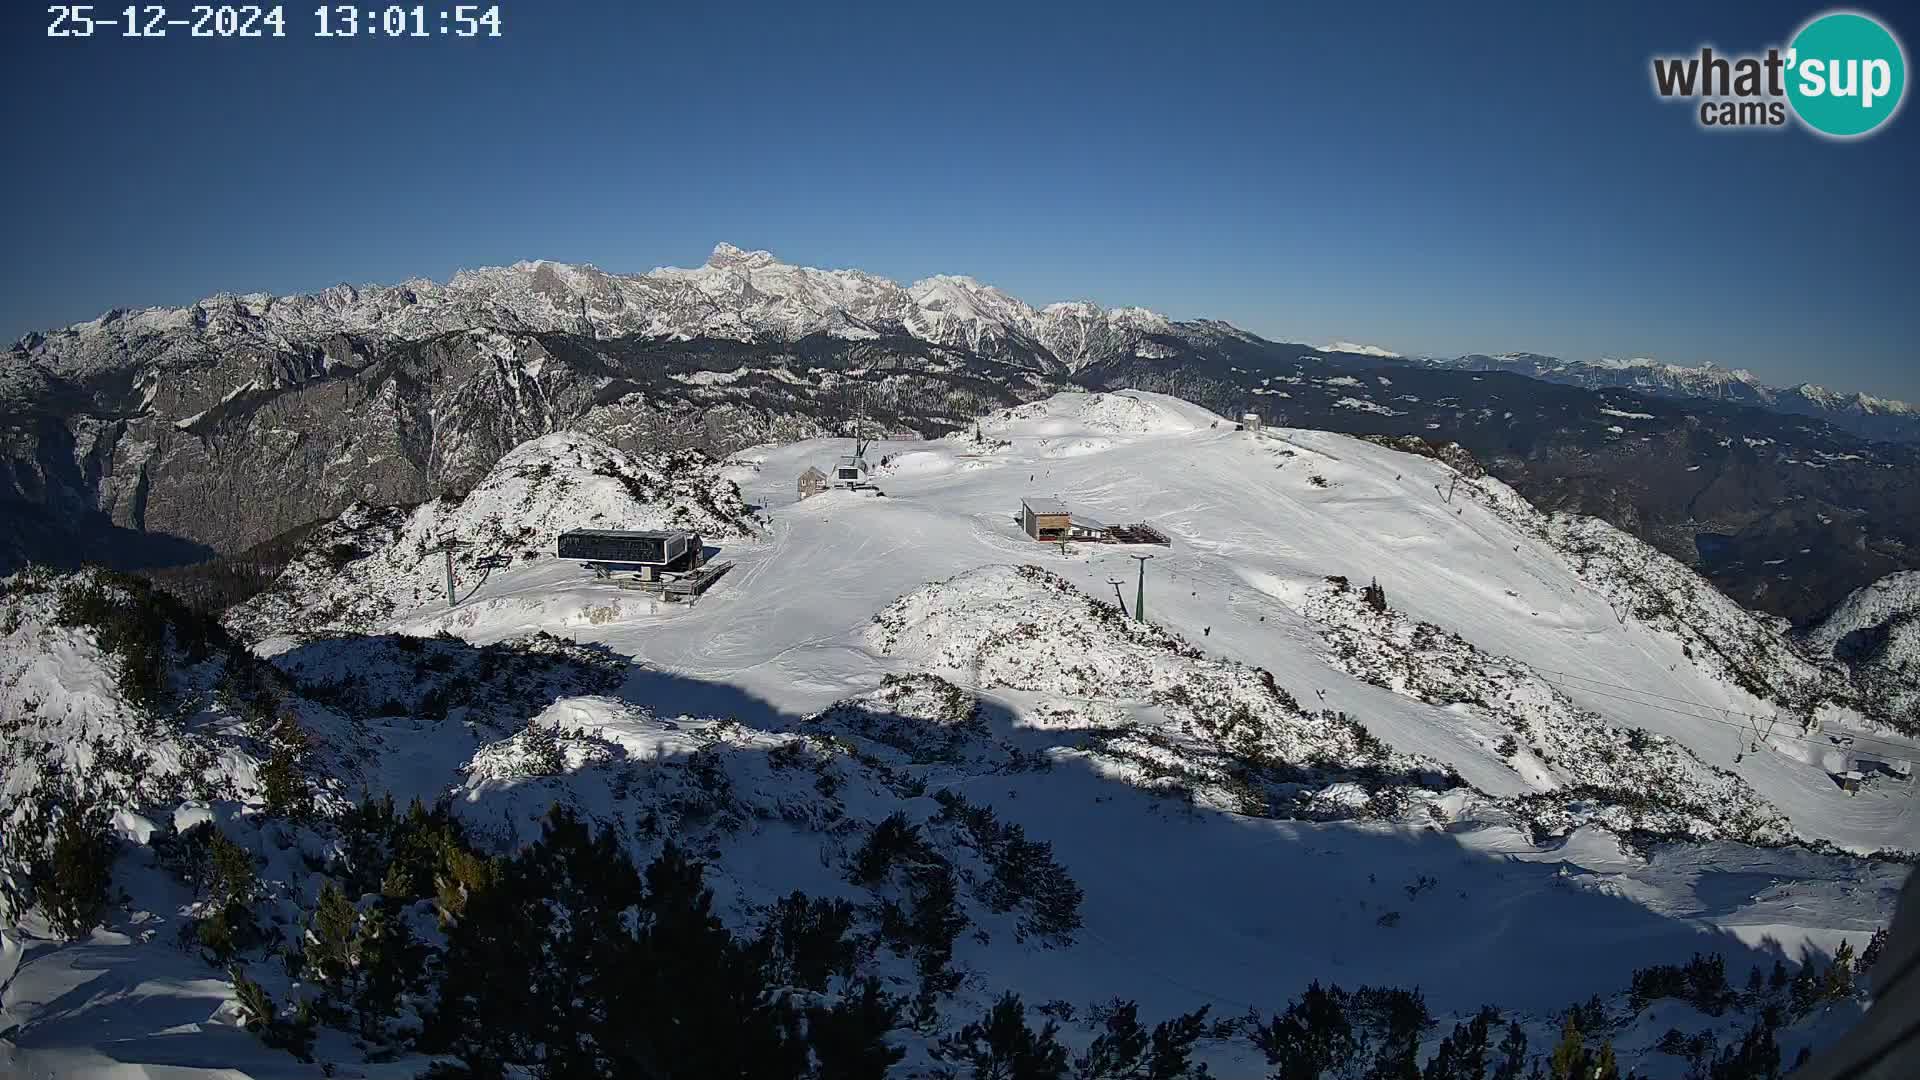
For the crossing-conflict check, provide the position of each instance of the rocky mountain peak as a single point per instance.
(727, 257)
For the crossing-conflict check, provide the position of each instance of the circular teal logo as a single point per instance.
(1846, 74)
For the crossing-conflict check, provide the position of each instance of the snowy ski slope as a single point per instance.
(1254, 533)
(1185, 903)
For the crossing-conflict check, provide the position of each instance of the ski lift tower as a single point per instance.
(1140, 596)
(446, 548)
(851, 470)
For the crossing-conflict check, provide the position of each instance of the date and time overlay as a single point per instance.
(263, 21)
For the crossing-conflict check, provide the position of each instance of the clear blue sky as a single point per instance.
(1443, 178)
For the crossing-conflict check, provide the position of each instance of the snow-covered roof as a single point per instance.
(629, 534)
(1081, 522)
(1045, 506)
(813, 472)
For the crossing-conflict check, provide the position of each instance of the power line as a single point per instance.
(1709, 719)
(1893, 741)
(1636, 690)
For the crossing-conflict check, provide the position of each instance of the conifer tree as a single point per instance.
(545, 757)
(331, 937)
(71, 879)
(1605, 1066)
(1512, 1062)
(849, 1039)
(1839, 980)
(1463, 1055)
(1870, 955)
(1375, 596)
(1124, 1050)
(283, 786)
(1000, 1046)
(1569, 1060)
(1311, 1036)
(390, 959)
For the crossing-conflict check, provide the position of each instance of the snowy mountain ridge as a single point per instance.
(976, 770)
(1862, 413)
(736, 295)
(1717, 665)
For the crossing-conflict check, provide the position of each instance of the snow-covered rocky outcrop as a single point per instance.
(1581, 767)
(1025, 629)
(374, 561)
(1642, 585)
(1876, 633)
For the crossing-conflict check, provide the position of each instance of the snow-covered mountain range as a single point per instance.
(736, 295)
(1864, 414)
(751, 296)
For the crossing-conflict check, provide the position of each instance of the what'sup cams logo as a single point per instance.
(1842, 76)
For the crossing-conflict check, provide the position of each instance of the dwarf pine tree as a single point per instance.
(1000, 1045)
(72, 875)
(1870, 955)
(1511, 1062)
(1463, 1055)
(331, 938)
(390, 961)
(545, 756)
(671, 993)
(1569, 1060)
(1605, 1065)
(1124, 1050)
(1839, 980)
(232, 883)
(1374, 596)
(806, 941)
(1310, 1037)
(849, 1039)
(1755, 1057)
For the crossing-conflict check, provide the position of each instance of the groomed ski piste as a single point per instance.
(1570, 635)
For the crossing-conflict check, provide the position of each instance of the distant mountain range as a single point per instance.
(745, 296)
(1862, 414)
(162, 435)
(751, 296)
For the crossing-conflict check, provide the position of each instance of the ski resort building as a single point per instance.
(1085, 528)
(1046, 520)
(812, 482)
(850, 471)
(1050, 521)
(1250, 421)
(647, 554)
(1868, 764)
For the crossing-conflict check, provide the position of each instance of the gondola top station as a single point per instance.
(850, 471)
(671, 562)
